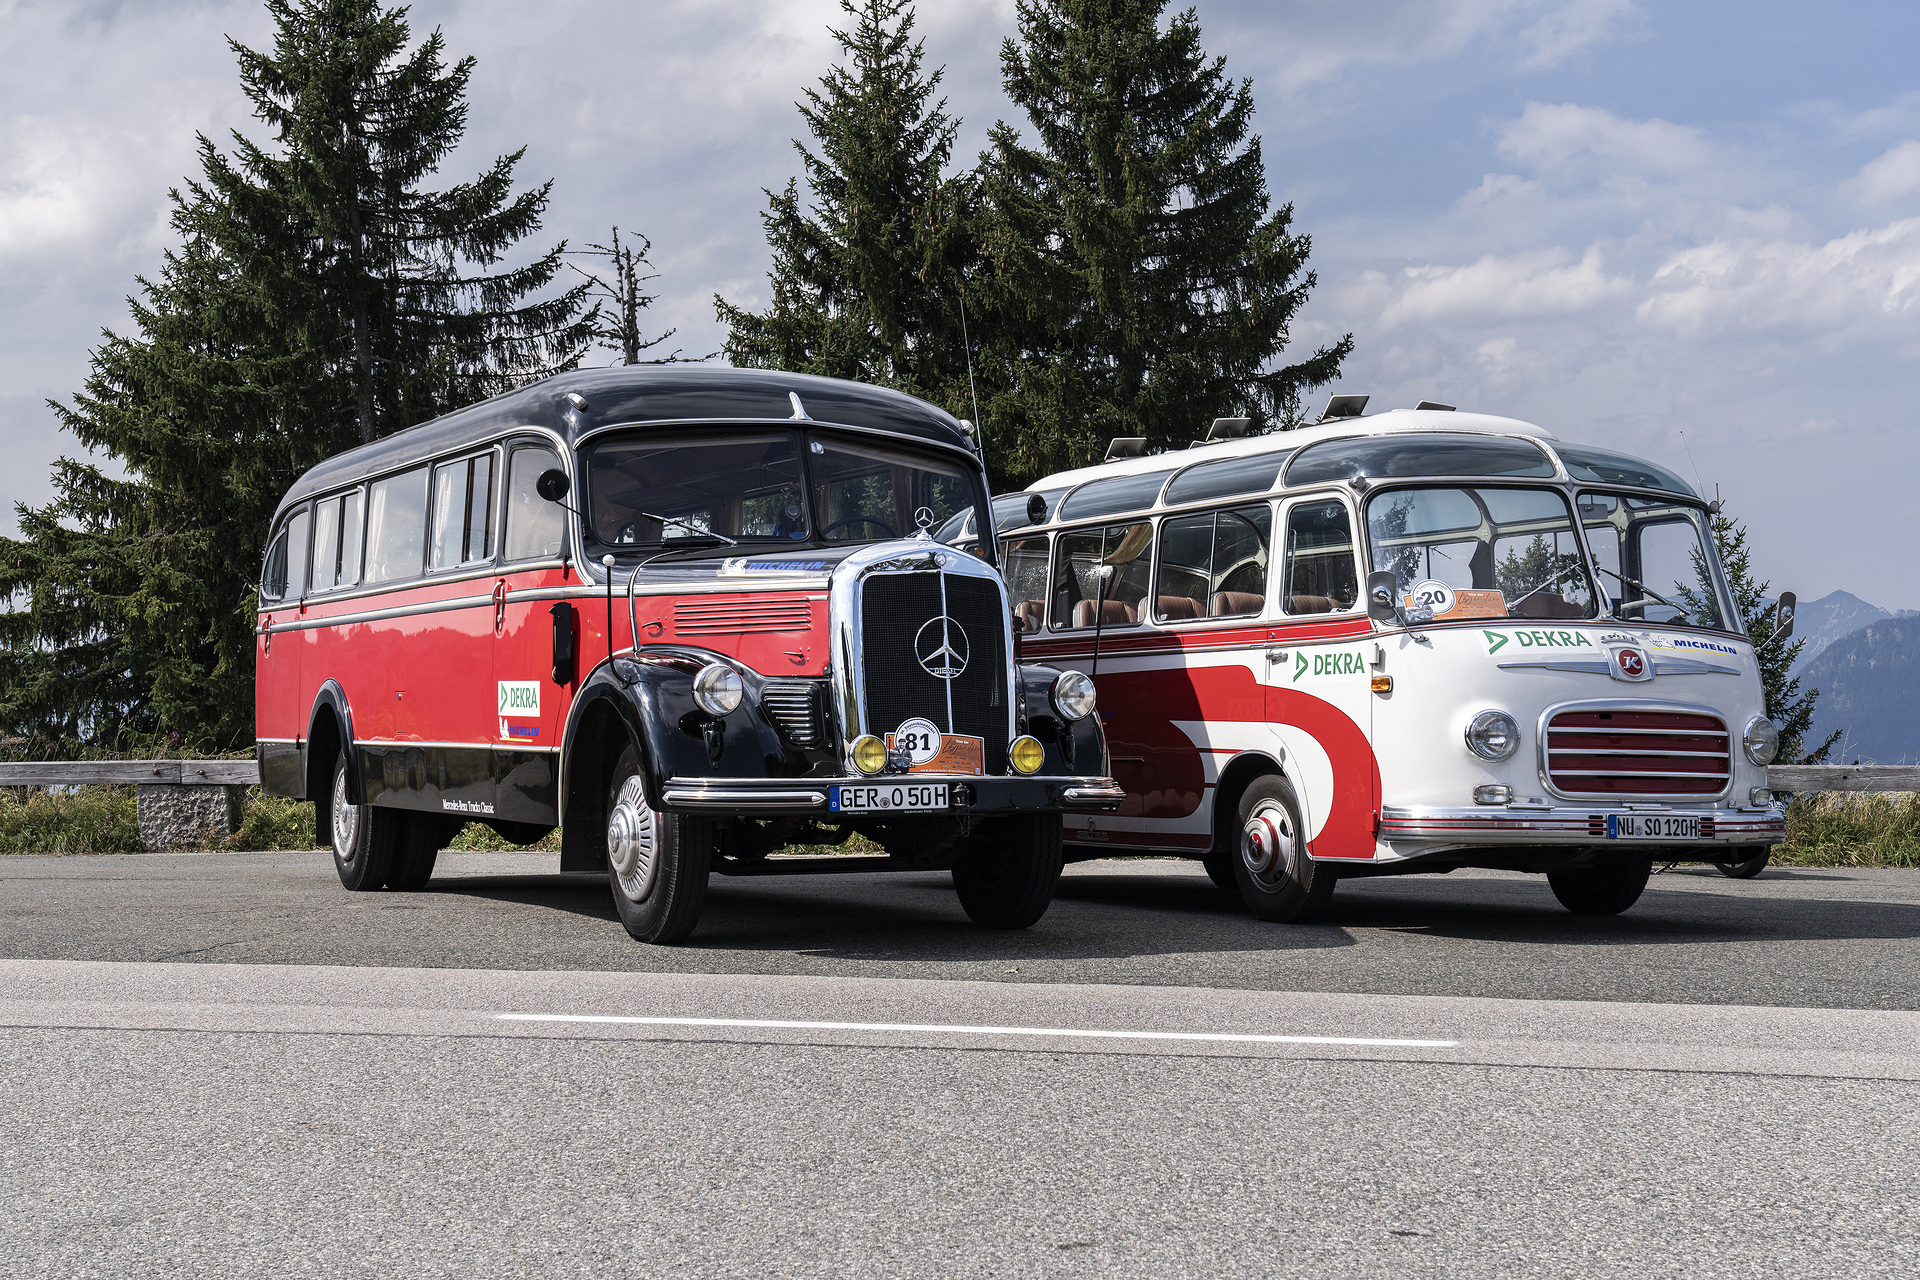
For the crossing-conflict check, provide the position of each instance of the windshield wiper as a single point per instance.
(1570, 571)
(1643, 589)
(684, 524)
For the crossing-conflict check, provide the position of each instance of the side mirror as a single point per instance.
(1381, 606)
(552, 484)
(1783, 616)
(1036, 508)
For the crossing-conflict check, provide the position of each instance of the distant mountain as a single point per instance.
(1830, 618)
(1869, 686)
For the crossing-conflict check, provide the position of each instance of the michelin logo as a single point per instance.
(1690, 644)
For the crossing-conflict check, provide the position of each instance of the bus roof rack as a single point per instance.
(1126, 447)
(1229, 429)
(1434, 404)
(1344, 407)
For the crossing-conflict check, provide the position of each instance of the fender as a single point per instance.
(1074, 747)
(332, 696)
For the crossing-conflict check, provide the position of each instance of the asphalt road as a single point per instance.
(226, 1065)
(1834, 939)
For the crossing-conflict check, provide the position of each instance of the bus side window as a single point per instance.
(1320, 577)
(336, 541)
(285, 577)
(1186, 560)
(536, 528)
(463, 512)
(1026, 572)
(1121, 551)
(397, 527)
(1238, 580)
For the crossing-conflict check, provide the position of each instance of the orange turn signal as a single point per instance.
(1383, 684)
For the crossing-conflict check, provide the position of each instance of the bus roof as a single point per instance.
(644, 394)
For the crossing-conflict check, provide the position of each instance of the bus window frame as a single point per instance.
(313, 506)
(496, 514)
(1279, 599)
(507, 447)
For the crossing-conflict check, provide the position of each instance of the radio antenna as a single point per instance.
(966, 345)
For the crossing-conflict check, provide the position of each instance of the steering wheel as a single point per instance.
(878, 524)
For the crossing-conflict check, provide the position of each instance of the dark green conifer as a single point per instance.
(1136, 280)
(320, 297)
(865, 277)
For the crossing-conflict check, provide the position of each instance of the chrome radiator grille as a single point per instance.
(896, 611)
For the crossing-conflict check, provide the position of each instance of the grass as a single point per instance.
(1824, 830)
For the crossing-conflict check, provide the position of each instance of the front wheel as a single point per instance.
(1600, 891)
(1006, 878)
(365, 836)
(1276, 878)
(657, 863)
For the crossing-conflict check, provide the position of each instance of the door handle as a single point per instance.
(1276, 655)
(499, 605)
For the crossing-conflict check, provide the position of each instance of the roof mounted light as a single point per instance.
(799, 410)
(1126, 447)
(1344, 407)
(1229, 429)
(577, 400)
(1435, 404)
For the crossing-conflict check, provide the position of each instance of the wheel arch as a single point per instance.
(329, 729)
(1235, 779)
(602, 722)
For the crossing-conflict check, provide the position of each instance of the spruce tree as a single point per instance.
(320, 297)
(1136, 280)
(866, 270)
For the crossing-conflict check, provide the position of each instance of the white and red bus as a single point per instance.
(1412, 641)
(691, 616)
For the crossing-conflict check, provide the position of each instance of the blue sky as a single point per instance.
(1688, 230)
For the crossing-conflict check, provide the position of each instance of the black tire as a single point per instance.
(1600, 891)
(418, 849)
(1276, 878)
(365, 836)
(1006, 877)
(1745, 868)
(657, 863)
(1219, 865)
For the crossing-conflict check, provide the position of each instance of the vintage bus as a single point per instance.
(689, 615)
(1406, 642)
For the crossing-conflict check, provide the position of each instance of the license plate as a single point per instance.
(1651, 826)
(900, 797)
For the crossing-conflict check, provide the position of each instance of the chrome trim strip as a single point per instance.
(1094, 794)
(1543, 764)
(1691, 667)
(1557, 664)
(736, 798)
(433, 606)
(457, 746)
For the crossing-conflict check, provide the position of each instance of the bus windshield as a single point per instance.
(1482, 552)
(1656, 561)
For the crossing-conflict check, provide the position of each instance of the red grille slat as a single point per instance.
(742, 617)
(1638, 753)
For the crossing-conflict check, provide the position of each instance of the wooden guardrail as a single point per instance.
(1844, 777)
(165, 773)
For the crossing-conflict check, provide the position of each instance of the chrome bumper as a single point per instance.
(983, 795)
(1432, 825)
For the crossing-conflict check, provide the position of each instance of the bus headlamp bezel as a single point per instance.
(1486, 729)
(718, 689)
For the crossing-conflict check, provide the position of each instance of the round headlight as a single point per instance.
(717, 689)
(1073, 694)
(1762, 740)
(869, 754)
(1492, 735)
(1027, 754)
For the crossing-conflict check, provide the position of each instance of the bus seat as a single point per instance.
(1544, 604)
(1112, 613)
(1032, 615)
(1177, 608)
(1226, 603)
(1311, 604)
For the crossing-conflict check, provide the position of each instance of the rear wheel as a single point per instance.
(1747, 867)
(364, 836)
(1271, 869)
(657, 863)
(1219, 865)
(1600, 891)
(1006, 878)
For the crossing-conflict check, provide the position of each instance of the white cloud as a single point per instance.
(1565, 32)
(1893, 175)
(1863, 284)
(1551, 136)
(1542, 283)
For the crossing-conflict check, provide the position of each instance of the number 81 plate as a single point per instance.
(889, 797)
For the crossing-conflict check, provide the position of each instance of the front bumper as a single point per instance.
(982, 796)
(1431, 829)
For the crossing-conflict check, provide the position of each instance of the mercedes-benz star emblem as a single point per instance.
(941, 647)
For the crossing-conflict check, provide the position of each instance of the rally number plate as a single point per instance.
(889, 797)
(1651, 826)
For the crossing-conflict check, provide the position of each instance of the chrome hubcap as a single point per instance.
(1267, 843)
(345, 816)
(633, 841)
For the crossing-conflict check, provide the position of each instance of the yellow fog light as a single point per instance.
(1027, 754)
(869, 754)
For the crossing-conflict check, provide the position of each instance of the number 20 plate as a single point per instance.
(890, 797)
(1636, 826)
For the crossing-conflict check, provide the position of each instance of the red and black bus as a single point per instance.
(690, 617)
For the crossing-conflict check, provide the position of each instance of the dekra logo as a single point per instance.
(1327, 664)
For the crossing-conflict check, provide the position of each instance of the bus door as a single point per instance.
(1319, 682)
(530, 707)
(279, 711)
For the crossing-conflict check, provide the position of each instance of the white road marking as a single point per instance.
(776, 1024)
